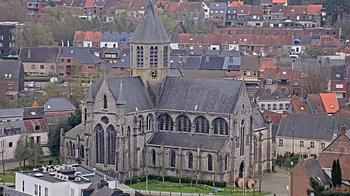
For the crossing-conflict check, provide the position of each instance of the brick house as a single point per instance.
(11, 77)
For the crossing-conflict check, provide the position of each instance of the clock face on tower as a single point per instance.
(154, 74)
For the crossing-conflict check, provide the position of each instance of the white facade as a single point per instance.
(87, 44)
(300, 145)
(108, 44)
(278, 106)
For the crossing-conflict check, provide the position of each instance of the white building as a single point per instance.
(67, 180)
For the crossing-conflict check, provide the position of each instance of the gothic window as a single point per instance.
(68, 150)
(242, 135)
(99, 143)
(165, 56)
(105, 102)
(82, 155)
(85, 115)
(154, 157)
(210, 162)
(183, 123)
(220, 126)
(139, 51)
(201, 125)
(141, 123)
(111, 144)
(73, 151)
(172, 159)
(165, 122)
(190, 160)
(150, 121)
(116, 160)
(71, 148)
(153, 56)
(226, 162)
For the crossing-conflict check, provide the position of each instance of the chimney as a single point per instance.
(343, 129)
(29, 53)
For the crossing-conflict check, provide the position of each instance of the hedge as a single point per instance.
(175, 179)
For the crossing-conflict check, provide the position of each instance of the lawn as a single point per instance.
(7, 178)
(188, 188)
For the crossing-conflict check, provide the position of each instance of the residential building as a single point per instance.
(193, 127)
(307, 134)
(11, 78)
(8, 32)
(322, 103)
(274, 102)
(39, 61)
(63, 180)
(249, 71)
(57, 109)
(35, 7)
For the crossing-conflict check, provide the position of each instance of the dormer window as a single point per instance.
(104, 102)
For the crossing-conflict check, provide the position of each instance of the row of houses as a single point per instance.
(31, 122)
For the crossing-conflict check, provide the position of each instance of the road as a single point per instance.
(275, 183)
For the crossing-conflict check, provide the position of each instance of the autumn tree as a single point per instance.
(313, 81)
(36, 34)
(21, 151)
(12, 10)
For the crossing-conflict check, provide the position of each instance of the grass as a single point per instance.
(188, 188)
(7, 178)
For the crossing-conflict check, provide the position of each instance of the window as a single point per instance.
(154, 157)
(22, 185)
(183, 123)
(33, 66)
(280, 106)
(150, 122)
(99, 143)
(323, 145)
(210, 162)
(42, 66)
(141, 124)
(52, 67)
(280, 142)
(220, 126)
(46, 191)
(287, 106)
(111, 144)
(301, 144)
(82, 151)
(37, 127)
(36, 189)
(274, 106)
(269, 106)
(262, 106)
(71, 192)
(165, 56)
(172, 159)
(242, 134)
(201, 125)
(153, 52)
(226, 163)
(105, 102)
(312, 144)
(139, 59)
(10, 144)
(39, 190)
(190, 160)
(165, 122)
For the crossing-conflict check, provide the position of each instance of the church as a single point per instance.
(157, 122)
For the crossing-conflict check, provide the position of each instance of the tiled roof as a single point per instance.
(39, 54)
(330, 102)
(314, 8)
(92, 36)
(58, 104)
(79, 36)
(279, 1)
(298, 104)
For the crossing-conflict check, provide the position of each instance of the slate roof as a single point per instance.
(12, 128)
(33, 112)
(310, 126)
(58, 104)
(75, 131)
(250, 62)
(258, 120)
(11, 112)
(187, 94)
(8, 67)
(81, 55)
(150, 29)
(186, 140)
(313, 168)
(39, 54)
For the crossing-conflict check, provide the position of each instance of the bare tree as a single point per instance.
(313, 81)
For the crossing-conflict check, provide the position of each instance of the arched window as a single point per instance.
(153, 58)
(85, 115)
(190, 160)
(220, 126)
(82, 154)
(154, 157)
(150, 122)
(165, 56)
(111, 144)
(139, 58)
(242, 135)
(105, 102)
(141, 123)
(183, 123)
(226, 162)
(73, 151)
(99, 144)
(68, 149)
(201, 125)
(165, 122)
(210, 162)
(172, 159)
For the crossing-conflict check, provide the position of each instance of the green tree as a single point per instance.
(36, 153)
(336, 9)
(334, 173)
(339, 174)
(169, 23)
(36, 34)
(21, 151)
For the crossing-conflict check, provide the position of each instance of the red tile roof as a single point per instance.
(314, 8)
(279, 1)
(329, 42)
(330, 102)
(31, 123)
(92, 36)
(299, 104)
(79, 36)
(235, 3)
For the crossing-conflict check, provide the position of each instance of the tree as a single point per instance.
(336, 9)
(66, 125)
(21, 151)
(169, 23)
(36, 153)
(314, 52)
(334, 173)
(12, 10)
(313, 80)
(36, 34)
(339, 174)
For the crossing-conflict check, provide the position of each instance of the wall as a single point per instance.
(307, 150)
(34, 68)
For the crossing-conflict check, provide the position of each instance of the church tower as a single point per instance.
(150, 48)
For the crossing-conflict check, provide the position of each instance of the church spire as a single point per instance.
(150, 30)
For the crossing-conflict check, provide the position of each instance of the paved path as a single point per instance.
(275, 183)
